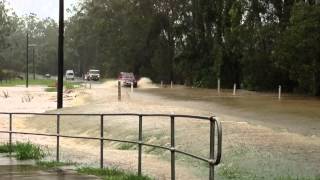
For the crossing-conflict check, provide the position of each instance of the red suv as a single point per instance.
(127, 78)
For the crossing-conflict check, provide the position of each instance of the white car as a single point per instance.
(69, 75)
(94, 75)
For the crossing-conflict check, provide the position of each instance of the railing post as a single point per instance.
(140, 147)
(101, 140)
(173, 168)
(58, 139)
(218, 86)
(279, 92)
(131, 87)
(212, 142)
(119, 90)
(10, 133)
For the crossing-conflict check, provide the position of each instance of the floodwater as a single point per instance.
(297, 114)
(280, 137)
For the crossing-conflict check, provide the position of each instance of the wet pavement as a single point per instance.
(11, 169)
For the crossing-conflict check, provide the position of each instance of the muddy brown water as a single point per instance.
(297, 114)
(281, 135)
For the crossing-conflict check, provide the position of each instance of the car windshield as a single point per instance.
(94, 72)
(127, 75)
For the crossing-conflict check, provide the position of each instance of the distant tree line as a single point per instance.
(258, 44)
(13, 46)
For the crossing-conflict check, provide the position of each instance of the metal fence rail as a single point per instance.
(215, 137)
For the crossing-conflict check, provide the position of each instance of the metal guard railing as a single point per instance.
(215, 134)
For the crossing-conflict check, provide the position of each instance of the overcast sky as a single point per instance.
(43, 8)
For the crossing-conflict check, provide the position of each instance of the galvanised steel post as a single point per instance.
(212, 141)
(173, 158)
(58, 138)
(10, 133)
(60, 56)
(140, 147)
(119, 90)
(101, 140)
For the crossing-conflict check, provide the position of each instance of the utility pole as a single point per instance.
(60, 56)
(27, 63)
(33, 59)
(34, 70)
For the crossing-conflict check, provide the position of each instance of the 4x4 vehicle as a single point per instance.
(69, 75)
(127, 78)
(93, 74)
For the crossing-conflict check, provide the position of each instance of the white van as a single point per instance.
(69, 75)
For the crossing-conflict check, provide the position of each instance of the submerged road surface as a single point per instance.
(296, 114)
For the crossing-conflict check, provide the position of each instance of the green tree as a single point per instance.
(298, 50)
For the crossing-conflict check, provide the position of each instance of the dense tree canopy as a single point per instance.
(257, 44)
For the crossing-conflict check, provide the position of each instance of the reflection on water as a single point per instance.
(30, 172)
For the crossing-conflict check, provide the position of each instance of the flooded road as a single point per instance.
(259, 131)
(295, 114)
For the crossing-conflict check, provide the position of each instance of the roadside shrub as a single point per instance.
(5, 148)
(25, 151)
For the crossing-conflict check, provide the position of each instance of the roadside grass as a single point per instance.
(51, 89)
(71, 85)
(16, 82)
(67, 85)
(111, 174)
(24, 150)
(29, 151)
(50, 83)
(127, 146)
(53, 164)
(105, 173)
(5, 148)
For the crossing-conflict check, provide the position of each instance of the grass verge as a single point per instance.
(44, 82)
(111, 174)
(51, 89)
(50, 83)
(5, 148)
(24, 150)
(53, 164)
(127, 146)
(67, 85)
